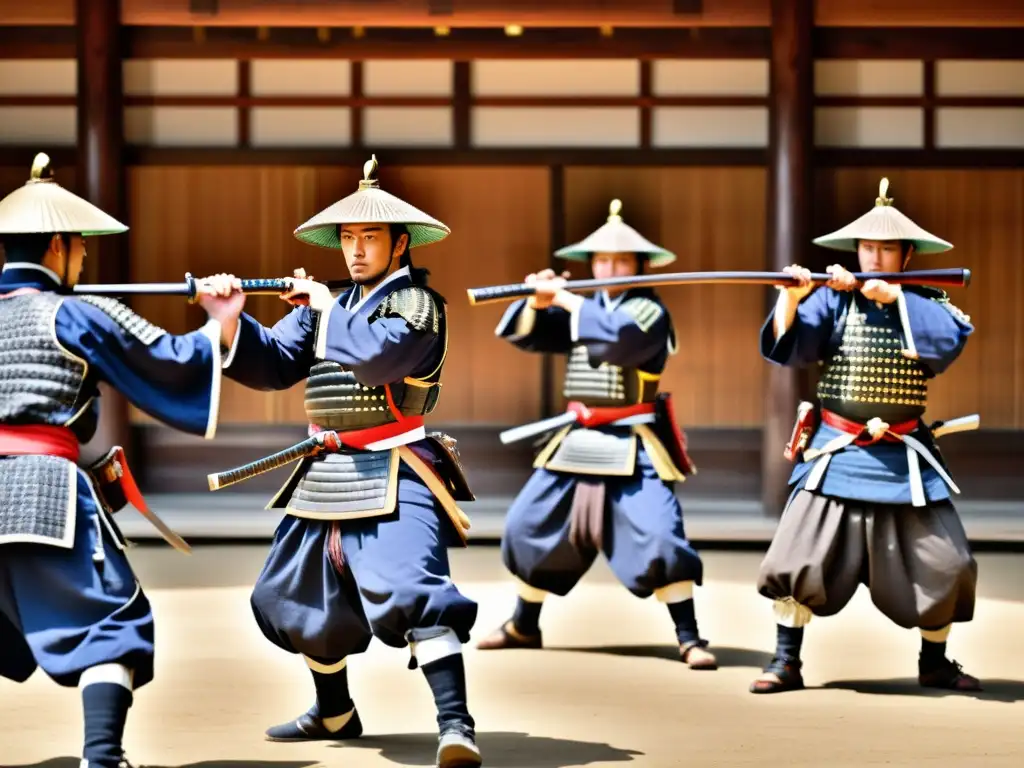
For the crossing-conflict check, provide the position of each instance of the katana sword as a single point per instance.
(952, 426)
(321, 441)
(956, 278)
(191, 288)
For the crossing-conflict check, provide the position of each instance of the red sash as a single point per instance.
(38, 440)
(850, 427)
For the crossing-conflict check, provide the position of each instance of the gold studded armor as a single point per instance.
(334, 399)
(611, 385)
(606, 385)
(868, 376)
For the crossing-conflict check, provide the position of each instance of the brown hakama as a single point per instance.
(916, 561)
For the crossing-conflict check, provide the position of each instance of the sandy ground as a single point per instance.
(607, 691)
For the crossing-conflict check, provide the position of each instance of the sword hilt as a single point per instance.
(260, 285)
(322, 441)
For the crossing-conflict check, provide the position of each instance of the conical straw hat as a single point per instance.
(371, 205)
(43, 206)
(883, 222)
(616, 236)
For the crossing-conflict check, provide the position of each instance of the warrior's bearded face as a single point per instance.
(605, 265)
(883, 255)
(370, 253)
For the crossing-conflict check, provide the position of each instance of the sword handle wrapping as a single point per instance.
(260, 285)
(266, 285)
(311, 447)
(499, 293)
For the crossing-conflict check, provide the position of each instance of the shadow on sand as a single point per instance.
(727, 657)
(500, 750)
(1006, 691)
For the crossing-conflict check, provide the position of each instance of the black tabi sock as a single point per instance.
(685, 619)
(526, 619)
(932, 654)
(105, 706)
(447, 680)
(788, 642)
(332, 696)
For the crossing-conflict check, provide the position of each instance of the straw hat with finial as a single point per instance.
(371, 205)
(883, 222)
(616, 236)
(43, 206)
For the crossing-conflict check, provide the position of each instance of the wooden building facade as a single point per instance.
(734, 131)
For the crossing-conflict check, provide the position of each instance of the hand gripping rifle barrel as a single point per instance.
(318, 443)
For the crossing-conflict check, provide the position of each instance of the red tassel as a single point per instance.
(334, 553)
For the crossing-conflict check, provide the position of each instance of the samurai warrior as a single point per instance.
(871, 497)
(69, 600)
(604, 481)
(371, 507)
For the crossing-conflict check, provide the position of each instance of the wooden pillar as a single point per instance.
(101, 173)
(549, 398)
(790, 195)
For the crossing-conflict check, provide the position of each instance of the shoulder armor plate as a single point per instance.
(416, 306)
(133, 324)
(644, 311)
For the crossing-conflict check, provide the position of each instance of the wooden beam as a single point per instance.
(394, 156)
(464, 13)
(930, 103)
(244, 114)
(918, 43)
(920, 158)
(101, 172)
(645, 101)
(458, 45)
(790, 195)
(14, 156)
(356, 103)
(462, 104)
(556, 239)
(458, 98)
(55, 42)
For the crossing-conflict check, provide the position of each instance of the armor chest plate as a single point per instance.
(336, 400)
(867, 375)
(606, 385)
(39, 384)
